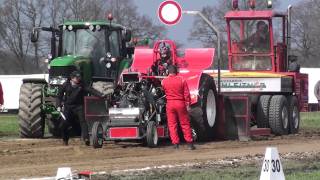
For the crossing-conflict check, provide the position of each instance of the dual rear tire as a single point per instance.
(278, 112)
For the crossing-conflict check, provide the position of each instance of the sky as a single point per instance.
(180, 31)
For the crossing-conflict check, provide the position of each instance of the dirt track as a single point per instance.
(32, 158)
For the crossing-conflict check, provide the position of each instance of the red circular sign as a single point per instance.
(169, 12)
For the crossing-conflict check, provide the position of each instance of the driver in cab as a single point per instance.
(260, 40)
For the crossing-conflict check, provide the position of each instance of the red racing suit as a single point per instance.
(178, 98)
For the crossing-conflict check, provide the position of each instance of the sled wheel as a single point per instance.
(263, 111)
(279, 115)
(97, 135)
(152, 134)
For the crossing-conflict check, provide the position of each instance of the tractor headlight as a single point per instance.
(70, 27)
(54, 81)
(57, 80)
(108, 55)
(98, 27)
(108, 65)
(91, 27)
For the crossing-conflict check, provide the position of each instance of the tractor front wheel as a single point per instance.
(31, 119)
(152, 134)
(97, 135)
(279, 115)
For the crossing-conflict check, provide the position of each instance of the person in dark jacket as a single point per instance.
(1, 96)
(317, 92)
(178, 101)
(71, 97)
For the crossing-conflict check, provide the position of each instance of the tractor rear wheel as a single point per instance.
(294, 114)
(279, 115)
(31, 119)
(203, 115)
(97, 135)
(152, 134)
(263, 111)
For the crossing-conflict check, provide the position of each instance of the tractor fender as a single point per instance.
(191, 68)
(193, 80)
(197, 59)
(34, 80)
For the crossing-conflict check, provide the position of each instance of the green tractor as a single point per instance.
(97, 49)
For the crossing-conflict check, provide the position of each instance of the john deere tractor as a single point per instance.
(97, 49)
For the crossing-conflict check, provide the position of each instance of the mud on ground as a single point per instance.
(41, 157)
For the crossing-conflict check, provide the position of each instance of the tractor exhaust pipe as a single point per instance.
(289, 30)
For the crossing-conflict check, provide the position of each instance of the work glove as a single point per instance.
(188, 108)
(59, 109)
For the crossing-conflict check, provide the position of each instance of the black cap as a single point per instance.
(75, 74)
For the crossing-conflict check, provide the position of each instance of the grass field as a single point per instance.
(294, 170)
(310, 120)
(9, 123)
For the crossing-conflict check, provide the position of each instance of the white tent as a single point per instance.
(11, 88)
(313, 79)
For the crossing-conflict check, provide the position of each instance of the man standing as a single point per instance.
(178, 101)
(260, 40)
(317, 92)
(72, 95)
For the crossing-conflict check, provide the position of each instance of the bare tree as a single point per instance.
(85, 9)
(306, 32)
(125, 13)
(34, 14)
(14, 32)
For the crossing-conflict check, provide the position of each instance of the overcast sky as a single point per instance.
(180, 32)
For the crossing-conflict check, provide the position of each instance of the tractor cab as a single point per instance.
(96, 48)
(253, 44)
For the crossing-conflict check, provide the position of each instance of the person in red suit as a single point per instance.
(178, 101)
(1, 96)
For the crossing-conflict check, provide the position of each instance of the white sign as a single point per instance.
(64, 173)
(169, 12)
(271, 167)
(250, 84)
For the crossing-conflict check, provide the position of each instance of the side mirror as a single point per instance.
(127, 35)
(34, 35)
